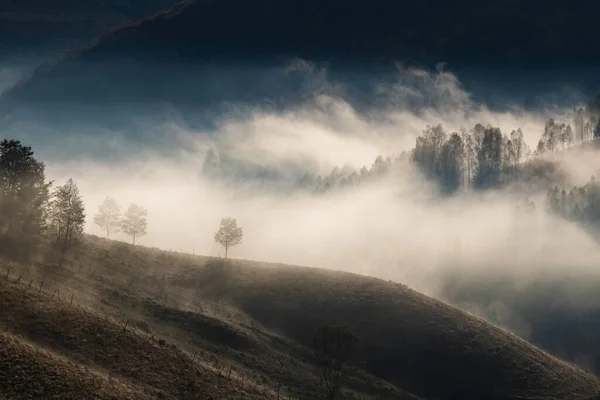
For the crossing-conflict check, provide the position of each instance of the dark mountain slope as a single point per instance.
(41, 27)
(258, 317)
(507, 33)
(222, 50)
(175, 346)
(560, 313)
(416, 342)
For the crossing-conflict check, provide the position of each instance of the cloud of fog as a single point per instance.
(394, 229)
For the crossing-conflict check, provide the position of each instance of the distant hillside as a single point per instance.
(257, 319)
(508, 33)
(559, 313)
(38, 26)
(225, 51)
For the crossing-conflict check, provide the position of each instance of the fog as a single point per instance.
(397, 228)
(529, 271)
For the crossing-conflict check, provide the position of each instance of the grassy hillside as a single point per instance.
(72, 352)
(151, 321)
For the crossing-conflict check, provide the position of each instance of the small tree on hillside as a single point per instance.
(333, 346)
(229, 234)
(108, 217)
(66, 217)
(134, 222)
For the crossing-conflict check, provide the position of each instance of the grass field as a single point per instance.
(126, 322)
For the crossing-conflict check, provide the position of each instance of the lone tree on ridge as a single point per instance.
(229, 234)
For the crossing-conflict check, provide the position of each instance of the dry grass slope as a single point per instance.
(193, 319)
(411, 340)
(73, 350)
(29, 372)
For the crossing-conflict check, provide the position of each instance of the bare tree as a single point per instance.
(229, 234)
(108, 217)
(66, 217)
(134, 222)
(333, 346)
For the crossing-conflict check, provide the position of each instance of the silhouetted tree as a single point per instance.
(597, 130)
(579, 122)
(470, 158)
(556, 137)
(515, 151)
(134, 222)
(108, 217)
(66, 217)
(333, 346)
(489, 159)
(229, 234)
(24, 195)
(452, 160)
(428, 150)
(581, 204)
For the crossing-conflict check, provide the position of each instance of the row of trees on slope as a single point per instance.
(580, 204)
(32, 211)
(480, 158)
(133, 223)
(484, 157)
(476, 159)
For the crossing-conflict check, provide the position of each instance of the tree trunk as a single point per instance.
(226, 248)
(62, 256)
(134, 240)
(64, 244)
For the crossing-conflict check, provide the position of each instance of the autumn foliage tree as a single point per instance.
(134, 222)
(229, 234)
(66, 217)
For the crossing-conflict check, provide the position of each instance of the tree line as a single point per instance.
(580, 204)
(31, 211)
(34, 211)
(134, 222)
(479, 158)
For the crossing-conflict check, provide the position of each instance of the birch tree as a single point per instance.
(66, 216)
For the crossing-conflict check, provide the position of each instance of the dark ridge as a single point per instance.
(39, 27)
(500, 33)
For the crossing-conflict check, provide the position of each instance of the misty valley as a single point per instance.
(299, 200)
